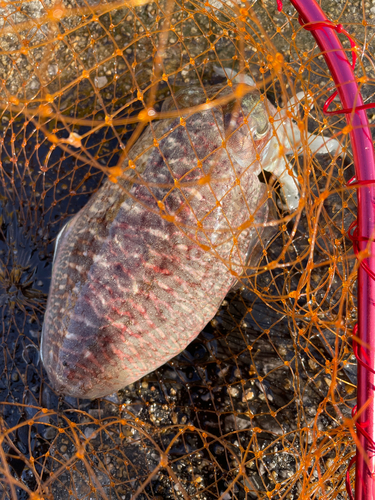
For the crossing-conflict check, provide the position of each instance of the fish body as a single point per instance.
(144, 266)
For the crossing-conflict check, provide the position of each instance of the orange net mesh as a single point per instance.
(259, 405)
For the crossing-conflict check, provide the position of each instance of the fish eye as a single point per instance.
(257, 113)
(262, 130)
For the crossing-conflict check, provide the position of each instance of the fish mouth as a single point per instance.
(81, 392)
(70, 382)
(79, 389)
(76, 383)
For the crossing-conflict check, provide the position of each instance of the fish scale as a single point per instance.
(132, 284)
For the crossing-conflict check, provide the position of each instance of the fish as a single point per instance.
(144, 266)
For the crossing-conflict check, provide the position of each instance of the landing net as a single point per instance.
(260, 404)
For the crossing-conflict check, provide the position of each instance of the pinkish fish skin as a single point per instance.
(130, 288)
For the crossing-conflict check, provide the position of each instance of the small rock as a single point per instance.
(101, 81)
(233, 391)
(248, 395)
